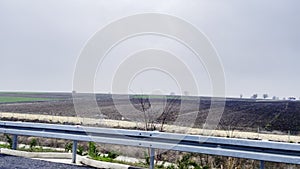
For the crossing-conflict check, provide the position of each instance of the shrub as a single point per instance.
(147, 158)
(113, 154)
(9, 140)
(93, 152)
(172, 166)
(80, 150)
(186, 163)
(33, 143)
(68, 147)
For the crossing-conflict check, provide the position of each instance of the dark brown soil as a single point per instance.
(242, 114)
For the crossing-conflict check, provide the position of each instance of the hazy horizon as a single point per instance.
(260, 96)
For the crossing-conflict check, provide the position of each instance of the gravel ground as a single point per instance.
(13, 162)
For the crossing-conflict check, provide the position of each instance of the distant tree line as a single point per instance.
(265, 96)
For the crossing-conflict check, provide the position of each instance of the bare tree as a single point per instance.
(265, 96)
(241, 95)
(145, 104)
(171, 105)
(228, 125)
(155, 116)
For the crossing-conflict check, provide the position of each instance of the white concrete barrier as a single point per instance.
(36, 154)
(80, 159)
(102, 164)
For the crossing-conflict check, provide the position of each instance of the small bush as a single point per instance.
(161, 165)
(9, 140)
(113, 154)
(147, 158)
(32, 143)
(80, 150)
(93, 152)
(172, 166)
(186, 163)
(68, 147)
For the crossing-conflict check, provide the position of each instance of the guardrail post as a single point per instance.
(15, 142)
(152, 153)
(74, 151)
(262, 164)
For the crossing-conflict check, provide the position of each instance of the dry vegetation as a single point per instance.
(239, 114)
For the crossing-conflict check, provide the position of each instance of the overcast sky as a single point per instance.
(258, 42)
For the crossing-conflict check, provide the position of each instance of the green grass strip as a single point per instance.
(21, 99)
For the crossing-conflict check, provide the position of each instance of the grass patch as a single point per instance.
(21, 99)
(7, 92)
(102, 158)
(111, 160)
(4, 146)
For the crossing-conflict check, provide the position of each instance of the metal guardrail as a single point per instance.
(239, 148)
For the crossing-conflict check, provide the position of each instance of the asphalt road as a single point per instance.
(13, 162)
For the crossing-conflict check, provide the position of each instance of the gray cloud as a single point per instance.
(258, 41)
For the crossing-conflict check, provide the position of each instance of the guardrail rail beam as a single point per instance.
(232, 147)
